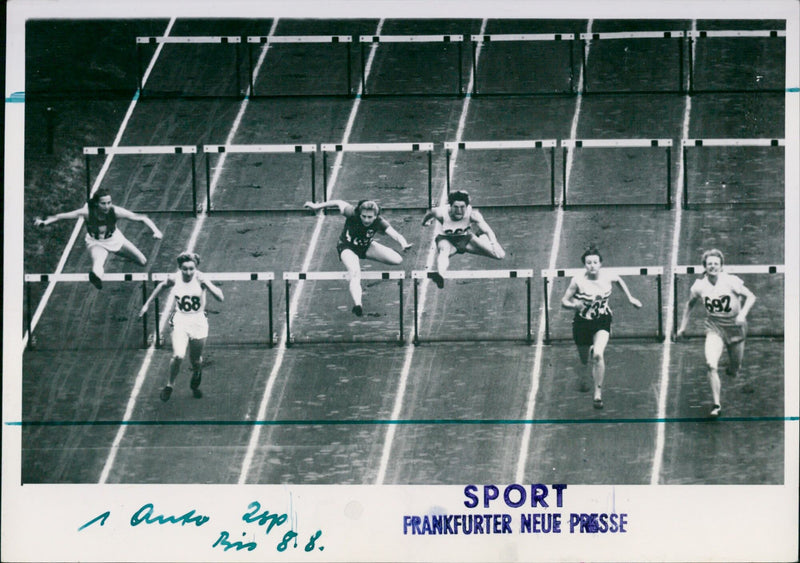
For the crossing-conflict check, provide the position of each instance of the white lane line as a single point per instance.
(401, 388)
(312, 246)
(539, 352)
(100, 175)
(143, 370)
(663, 387)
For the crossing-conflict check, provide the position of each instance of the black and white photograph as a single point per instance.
(442, 281)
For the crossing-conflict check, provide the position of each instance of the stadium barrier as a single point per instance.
(365, 40)
(688, 143)
(187, 40)
(657, 272)
(344, 40)
(486, 39)
(143, 150)
(258, 149)
(699, 269)
(30, 279)
(418, 275)
(289, 277)
(695, 37)
(380, 148)
(568, 144)
(507, 145)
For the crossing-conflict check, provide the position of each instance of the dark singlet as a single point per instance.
(101, 227)
(356, 235)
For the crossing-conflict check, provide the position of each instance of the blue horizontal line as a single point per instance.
(793, 89)
(405, 422)
(16, 98)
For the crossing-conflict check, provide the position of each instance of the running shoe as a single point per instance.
(166, 392)
(96, 281)
(598, 403)
(358, 310)
(715, 411)
(437, 279)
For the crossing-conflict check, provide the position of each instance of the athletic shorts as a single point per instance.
(360, 251)
(729, 333)
(460, 241)
(192, 326)
(111, 244)
(583, 330)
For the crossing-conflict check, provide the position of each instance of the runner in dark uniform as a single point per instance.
(102, 234)
(362, 223)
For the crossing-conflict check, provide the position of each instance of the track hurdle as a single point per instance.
(379, 148)
(30, 279)
(656, 271)
(234, 40)
(686, 144)
(221, 276)
(345, 40)
(568, 144)
(567, 38)
(143, 150)
(365, 40)
(289, 277)
(633, 35)
(699, 270)
(507, 145)
(695, 37)
(527, 275)
(208, 150)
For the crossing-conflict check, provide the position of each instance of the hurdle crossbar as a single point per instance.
(731, 33)
(699, 269)
(656, 271)
(325, 148)
(688, 143)
(616, 35)
(30, 279)
(142, 150)
(186, 40)
(289, 277)
(508, 37)
(259, 149)
(365, 40)
(568, 144)
(345, 40)
(526, 274)
(451, 146)
(269, 277)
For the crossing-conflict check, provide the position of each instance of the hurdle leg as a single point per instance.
(447, 176)
(208, 184)
(528, 338)
(402, 336)
(144, 317)
(660, 314)
(416, 312)
(194, 187)
(324, 177)
(564, 178)
(675, 307)
(691, 67)
(460, 89)
(685, 202)
(269, 306)
(313, 178)
(349, 70)
(288, 327)
(250, 69)
(28, 301)
(546, 315)
(553, 177)
(669, 177)
(88, 178)
(158, 324)
(474, 68)
(430, 179)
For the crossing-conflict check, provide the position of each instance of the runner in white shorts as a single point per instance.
(189, 322)
(102, 234)
(726, 319)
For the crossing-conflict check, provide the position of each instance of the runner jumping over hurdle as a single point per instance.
(588, 294)
(457, 235)
(102, 234)
(189, 321)
(362, 222)
(726, 319)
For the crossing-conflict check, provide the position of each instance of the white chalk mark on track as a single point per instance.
(312, 246)
(663, 387)
(401, 387)
(537, 362)
(142, 374)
